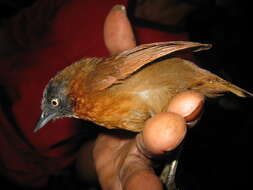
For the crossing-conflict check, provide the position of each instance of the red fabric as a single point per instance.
(75, 31)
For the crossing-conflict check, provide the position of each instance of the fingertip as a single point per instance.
(119, 8)
(188, 104)
(163, 132)
(118, 32)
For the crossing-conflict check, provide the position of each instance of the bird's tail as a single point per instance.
(216, 86)
(237, 90)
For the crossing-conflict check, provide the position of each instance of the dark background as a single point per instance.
(216, 151)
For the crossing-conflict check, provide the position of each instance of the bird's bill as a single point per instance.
(44, 119)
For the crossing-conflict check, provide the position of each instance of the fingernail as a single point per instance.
(192, 123)
(119, 8)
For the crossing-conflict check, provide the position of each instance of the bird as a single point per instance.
(124, 90)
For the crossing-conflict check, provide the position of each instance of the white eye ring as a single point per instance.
(55, 102)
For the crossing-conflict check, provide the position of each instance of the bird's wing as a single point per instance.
(113, 69)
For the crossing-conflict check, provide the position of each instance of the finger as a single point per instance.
(165, 131)
(162, 133)
(142, 179)
(118, 33)
(136, 172)
(107, 157)
(189, 105)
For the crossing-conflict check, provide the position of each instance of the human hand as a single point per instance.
(123, 160)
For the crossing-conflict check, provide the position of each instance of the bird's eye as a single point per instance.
(55, 102)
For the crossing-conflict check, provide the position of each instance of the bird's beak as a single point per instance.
(44, 119)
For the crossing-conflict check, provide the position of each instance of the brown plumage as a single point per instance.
(124, 90)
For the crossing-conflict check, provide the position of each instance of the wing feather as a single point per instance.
(113, 69)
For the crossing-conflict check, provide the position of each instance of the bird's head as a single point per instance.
(55, 103)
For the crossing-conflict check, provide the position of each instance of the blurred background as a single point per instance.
(216, 153)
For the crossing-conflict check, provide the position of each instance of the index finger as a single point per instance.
(189, 105)
(118, 32)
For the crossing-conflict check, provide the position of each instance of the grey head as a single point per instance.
(55, 103)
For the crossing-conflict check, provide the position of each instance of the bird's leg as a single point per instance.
(169, 171)
(168, 175)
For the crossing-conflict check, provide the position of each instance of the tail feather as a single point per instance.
(213, 86)
(237, 90)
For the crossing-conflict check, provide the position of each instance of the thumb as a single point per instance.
(118, 32)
